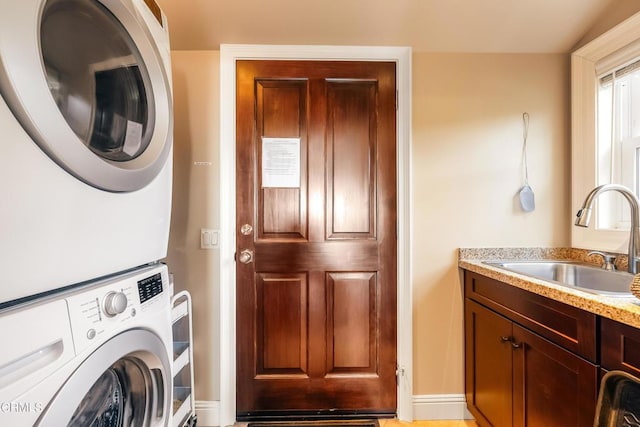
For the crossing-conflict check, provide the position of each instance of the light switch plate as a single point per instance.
(209, 238)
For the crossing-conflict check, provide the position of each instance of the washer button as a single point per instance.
(91, 334)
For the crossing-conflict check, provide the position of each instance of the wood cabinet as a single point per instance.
(518, 372)
(620, 345)
(488, 365)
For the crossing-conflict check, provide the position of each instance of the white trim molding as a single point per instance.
(424, 407)
(208, 413)
(615, 46)
(229, 54)
(440, 407)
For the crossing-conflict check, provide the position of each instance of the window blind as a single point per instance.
(619, 73)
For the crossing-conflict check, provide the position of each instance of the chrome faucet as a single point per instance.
(584, 217)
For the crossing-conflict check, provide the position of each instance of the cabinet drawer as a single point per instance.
(620, 346)
(567, 326)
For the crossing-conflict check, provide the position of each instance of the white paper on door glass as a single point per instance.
(280, 162)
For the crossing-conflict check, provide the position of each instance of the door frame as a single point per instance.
(229, 54)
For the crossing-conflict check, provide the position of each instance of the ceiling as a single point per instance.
(504, 26)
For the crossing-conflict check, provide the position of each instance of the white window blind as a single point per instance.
(607, 79)
(618, 139)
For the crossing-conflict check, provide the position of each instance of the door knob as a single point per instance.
(246, 256)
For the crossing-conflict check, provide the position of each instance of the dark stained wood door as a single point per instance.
(316, 269)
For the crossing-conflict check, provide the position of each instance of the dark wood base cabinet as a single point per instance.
(517, 372)
(620, 345)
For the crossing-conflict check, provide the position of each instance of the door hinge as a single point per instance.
(397, 99)
(399, 373)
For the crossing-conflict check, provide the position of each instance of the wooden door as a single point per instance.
(316, 238)
(488, 367)
(552, 386)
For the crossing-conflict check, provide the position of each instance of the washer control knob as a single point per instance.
(115, 303)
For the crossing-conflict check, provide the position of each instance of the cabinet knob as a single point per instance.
(515, 345)
(505, 339)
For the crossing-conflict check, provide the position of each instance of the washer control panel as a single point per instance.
(111, 305)
(149, 287)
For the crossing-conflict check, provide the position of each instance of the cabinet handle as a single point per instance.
(505, 339)
(515, 345)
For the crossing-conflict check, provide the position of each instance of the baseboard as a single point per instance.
(208, 413)
(440, 407)
(425, 407)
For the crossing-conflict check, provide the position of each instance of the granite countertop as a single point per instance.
(623, 309)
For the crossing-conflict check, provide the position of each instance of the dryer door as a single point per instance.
(126, 382)
(87, 82)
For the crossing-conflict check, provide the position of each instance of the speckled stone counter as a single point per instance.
(623, 309)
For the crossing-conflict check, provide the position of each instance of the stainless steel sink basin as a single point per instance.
(572, 274)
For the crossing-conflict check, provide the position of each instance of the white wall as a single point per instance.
(196, 79)
(467, 145)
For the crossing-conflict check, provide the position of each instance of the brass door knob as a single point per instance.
(246, 256)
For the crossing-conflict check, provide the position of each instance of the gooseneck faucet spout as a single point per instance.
(584, 217)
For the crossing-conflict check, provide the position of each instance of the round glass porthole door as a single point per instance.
(125, 382)
(118, 398)
(90, 87)
(97, 78)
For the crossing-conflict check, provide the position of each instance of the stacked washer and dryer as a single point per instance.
(85, 181)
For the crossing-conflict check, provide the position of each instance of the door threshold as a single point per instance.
(360, 422)
(349, 417)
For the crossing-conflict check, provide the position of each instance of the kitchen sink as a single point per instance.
(573, 274)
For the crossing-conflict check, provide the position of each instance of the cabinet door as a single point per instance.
(620, 347)
(551, 386)
(488, 373)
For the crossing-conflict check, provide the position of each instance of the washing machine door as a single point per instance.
(126, 382)
(87, 81)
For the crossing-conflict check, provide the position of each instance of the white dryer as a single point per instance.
(98, 355)
(86, 141)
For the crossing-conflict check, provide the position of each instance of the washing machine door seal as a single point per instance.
(126, 381)
(87, 82)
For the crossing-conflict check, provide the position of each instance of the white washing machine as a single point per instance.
(85, 156)
(99, 355)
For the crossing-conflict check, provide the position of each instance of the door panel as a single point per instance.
(282, 324)
(351, 151)
(316, 306)
(352, 313)
(281, 112)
